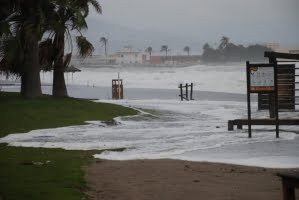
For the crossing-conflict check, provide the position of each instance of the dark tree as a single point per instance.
(149, 50)
(19, 41)
(187, 50)
(230, 52)
(68, 16)
(164, 48)
(104, 42)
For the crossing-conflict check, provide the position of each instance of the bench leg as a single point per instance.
(288, 192)
(230, 125)
(239, 126)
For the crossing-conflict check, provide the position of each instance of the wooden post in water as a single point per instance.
(191, 92)
(118, 85)
(181, 89)
(187, 98)
(248, 99)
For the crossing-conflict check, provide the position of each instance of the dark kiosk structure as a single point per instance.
(275, 83)
(117, 89)
(290, 181)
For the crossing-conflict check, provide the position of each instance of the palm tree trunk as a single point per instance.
(30, 80)
(59, 86)
(105, 50)
(23, 84)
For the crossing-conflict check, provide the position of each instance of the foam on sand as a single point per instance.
(167, 129)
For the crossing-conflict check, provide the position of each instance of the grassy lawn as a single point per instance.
(49, 174)
(22, 115)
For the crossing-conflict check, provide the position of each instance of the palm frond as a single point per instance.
(79, 21)
(149, 49)
(67, 59)
(4, 28)
(46, 56)
(96, 5)
(104, 41)
(84, 46)
(11, 54)
(164, 48)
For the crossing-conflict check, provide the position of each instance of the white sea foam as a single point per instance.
(195, 130)
(205, 78)
(168, 129)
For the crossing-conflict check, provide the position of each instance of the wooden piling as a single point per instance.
(181, 89)
(191, 92)
(187, 98)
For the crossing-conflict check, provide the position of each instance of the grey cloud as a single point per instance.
(243, 20)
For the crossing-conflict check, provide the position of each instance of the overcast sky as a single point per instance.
(244, 21)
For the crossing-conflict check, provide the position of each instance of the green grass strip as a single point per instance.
(48, 174)
(20, 115)
(36, 173)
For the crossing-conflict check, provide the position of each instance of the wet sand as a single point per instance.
(181, 180)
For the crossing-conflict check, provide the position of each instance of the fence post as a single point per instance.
(187, 92)
(191, 93)
(181, 88)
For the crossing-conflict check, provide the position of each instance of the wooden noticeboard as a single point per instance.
(261, 79)
(285, 87)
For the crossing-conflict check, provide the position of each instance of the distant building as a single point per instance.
(295, 51)
(276, 47)
(272, 45)
(93, 61)
(175, 59)
(155, 60)
(129, 56)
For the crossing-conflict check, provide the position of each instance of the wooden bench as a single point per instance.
(260, 122)
(290, 181)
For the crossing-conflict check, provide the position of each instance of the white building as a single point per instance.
(93, 61)
(128, 56)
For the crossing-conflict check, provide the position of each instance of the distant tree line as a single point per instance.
(230, 52)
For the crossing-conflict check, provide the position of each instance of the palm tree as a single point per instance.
(164, 48)
(19, 43)
(149, 50)
(223, 43)
(206, 47)
(187, 49)
(66, 17)
(104, 42)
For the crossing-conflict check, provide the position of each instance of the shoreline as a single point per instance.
(176, 179)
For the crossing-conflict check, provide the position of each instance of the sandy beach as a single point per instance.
(181, 180)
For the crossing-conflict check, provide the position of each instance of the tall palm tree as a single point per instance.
(187, 49)
(68, 16)
(164, 48)
(104, 42)
(19, 45)
(149, 50)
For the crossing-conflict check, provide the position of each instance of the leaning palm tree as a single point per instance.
(223, 43)
(149, 50)
(66, 17)
(164, 48)
(187, 49)
(104, 42)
